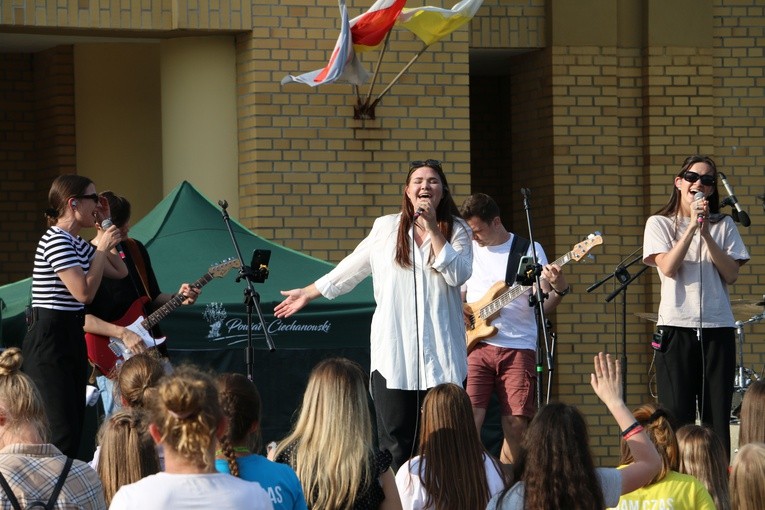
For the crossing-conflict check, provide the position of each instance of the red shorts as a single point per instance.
(509, 372)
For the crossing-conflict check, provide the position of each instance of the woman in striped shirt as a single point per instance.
(67, 273)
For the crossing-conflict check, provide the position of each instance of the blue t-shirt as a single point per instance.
(279, 480)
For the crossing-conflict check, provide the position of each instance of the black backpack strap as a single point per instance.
(8, 492)
(518, 249)
(59, 484)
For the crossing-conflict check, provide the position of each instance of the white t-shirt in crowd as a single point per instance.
(191, 491)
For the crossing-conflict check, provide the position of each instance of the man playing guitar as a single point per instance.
(504, 362)
(115, 297)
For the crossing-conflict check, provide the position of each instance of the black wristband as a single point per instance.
(563, 292)
(630, 428)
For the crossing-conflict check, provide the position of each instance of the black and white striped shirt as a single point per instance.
(56, 251)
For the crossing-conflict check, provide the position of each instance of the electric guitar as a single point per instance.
(479, 314)
(108, 352)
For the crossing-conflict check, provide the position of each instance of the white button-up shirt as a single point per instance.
(430, 310)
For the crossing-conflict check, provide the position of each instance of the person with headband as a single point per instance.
(697, 253)
(418, 259)
(67, 273)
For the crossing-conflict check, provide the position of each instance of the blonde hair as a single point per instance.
(702, 456)
(185, 409)
(656, 423)
(747, 478)
(20, 402)
(332, 438)
(136, 376)
(127, 451)
(753, 414)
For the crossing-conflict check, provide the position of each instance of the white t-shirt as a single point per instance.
(516, 324)
(394, 351)
(681, 295)
(191, 491)
(413, 494)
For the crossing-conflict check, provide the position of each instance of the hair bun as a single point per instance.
(51, 213)
(10, 361)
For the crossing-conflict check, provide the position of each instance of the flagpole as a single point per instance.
(377, 69)
(393, 82)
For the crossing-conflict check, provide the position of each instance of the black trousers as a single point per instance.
(397, 416)
(56, 359)
(687, 371)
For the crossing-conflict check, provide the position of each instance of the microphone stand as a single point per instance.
(623, 276)
(537, 301)
(251, 298)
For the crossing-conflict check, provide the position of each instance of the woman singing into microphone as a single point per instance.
(67, 273)
(698, 253)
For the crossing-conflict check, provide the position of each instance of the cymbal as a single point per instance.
(653, 317)
(746, 307)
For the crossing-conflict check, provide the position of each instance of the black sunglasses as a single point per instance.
(92, 196)
(432, 163)
(706, 180)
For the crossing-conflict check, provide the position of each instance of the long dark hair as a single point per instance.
(673, 204)
(452, 457)
(558, 471)
(446, 210)
(240, 401)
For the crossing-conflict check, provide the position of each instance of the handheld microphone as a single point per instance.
(106, 223)
(699, 196)
(418, 213)
(738, 213)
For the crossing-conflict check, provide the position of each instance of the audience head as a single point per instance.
(334, 428)
(702, 455)
(240, 403)
(656, 422)
(453, 474)
(185, 416)
(557, 466)
(753, 414)
(137, 376)
(127, 452)
(747, 478)
(22, 413)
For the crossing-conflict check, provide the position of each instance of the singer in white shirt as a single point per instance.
(697, 252)
(417, 333)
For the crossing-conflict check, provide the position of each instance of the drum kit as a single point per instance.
(744, 375)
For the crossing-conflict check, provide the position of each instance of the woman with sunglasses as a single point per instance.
(697, 252)
(67, 273)
(417, 334)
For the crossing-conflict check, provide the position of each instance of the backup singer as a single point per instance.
(416, 344)
(698, 253)
(67, 273)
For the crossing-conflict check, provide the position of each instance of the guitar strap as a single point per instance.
(135, 254)
(518, 249)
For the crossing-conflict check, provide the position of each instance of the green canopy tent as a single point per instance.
(186, 236)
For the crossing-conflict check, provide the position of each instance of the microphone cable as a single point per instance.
(699, 331)
(417, 338)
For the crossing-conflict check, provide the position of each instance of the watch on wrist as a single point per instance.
(563, 292)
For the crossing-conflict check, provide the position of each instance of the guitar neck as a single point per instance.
(516, 290)
(164, 310)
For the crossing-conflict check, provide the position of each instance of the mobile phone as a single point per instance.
(259, 264)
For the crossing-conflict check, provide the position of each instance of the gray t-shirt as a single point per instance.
(610, 482)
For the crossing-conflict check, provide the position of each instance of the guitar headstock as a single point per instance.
(220, 270)
(583, 248)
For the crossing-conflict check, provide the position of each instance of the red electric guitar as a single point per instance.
(107, 352)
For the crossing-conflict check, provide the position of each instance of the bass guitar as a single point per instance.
(108, 352)
(479, 314)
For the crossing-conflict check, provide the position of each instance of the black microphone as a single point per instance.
(699, 196)
(106, 223)
(418, 213)
(738, 214)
